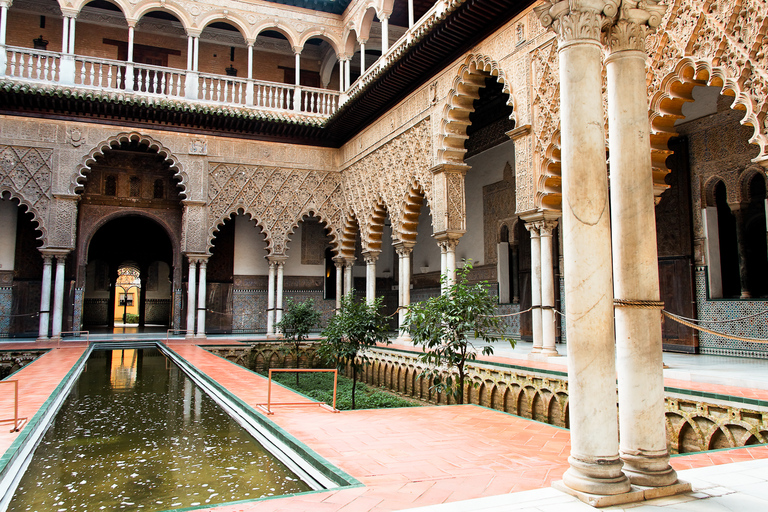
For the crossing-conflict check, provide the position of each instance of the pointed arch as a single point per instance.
(77, 180)
(460, 104)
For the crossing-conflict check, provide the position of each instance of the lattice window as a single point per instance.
(135, 188)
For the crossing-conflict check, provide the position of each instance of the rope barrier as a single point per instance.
(727, 321)
(511, 314)
(639, 304)
(21, 314)
(710, 331)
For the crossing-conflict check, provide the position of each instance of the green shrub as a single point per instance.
(130, 318)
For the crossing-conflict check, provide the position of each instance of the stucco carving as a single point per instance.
(26, 174)
(276, 198)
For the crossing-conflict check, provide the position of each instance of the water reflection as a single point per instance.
(136, 433)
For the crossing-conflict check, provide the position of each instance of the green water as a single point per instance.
(137, 434)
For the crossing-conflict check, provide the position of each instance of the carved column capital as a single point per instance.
(533, 228)
(404, 248)
(546, 227)
(448, 245)
(577, 20)
(370, 257)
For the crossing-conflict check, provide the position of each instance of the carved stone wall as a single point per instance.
(27, 173)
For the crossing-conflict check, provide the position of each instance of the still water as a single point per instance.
(137, 434)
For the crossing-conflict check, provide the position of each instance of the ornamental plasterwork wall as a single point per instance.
(276, 198)
(26, 173)
(389, 175)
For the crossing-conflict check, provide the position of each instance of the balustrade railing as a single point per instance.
(273, 96)
(319, 101)
(223, 89)
(29, 64)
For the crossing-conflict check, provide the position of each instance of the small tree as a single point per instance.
(356, 326)
(443, 324)
(298, 320)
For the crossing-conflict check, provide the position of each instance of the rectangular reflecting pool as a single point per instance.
(136, 433)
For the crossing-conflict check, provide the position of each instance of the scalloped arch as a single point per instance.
(346, 242)
(549, 189)
(411, 205)
(459, 104)
(372, 232)
(216, 227)
(326, 221)
(746, 177)
(76, 182)
(14, 194)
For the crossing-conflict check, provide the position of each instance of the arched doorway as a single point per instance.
(129, 276)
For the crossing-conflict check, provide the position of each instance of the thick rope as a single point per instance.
(509, 314)
(710, 331)
(640, 304)
(20, 314)
(727, 321)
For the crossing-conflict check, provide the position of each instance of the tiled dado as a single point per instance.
(721, 309)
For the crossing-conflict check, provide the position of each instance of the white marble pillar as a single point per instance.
(297, 81)
(342, 66)
(410, 13)
(533, 229)
(71, 38)
(191, 291)
(339, 264)
(279, 291)
(58, 297)
(384, 33)
(130, 42)
(643, 444)
(196, 57)
(370, 258)
(548, 333)
(362, 56)
(271, 299)
(3, 23)
(347, 74)
(443, 266)
(450, 261)
(190, 53)
(404, 251)
(45, 299)
(595, 466)
(250, 60)
(129, 70)
(201, 302)
(348, 280)
(65, 34)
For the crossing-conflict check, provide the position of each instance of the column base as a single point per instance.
(550, 352)
(601, 477)
(190, 336)
(634, 495)
(43, 339)
(535, 350)
(649, 470)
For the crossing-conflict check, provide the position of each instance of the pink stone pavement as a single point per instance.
(403, 457)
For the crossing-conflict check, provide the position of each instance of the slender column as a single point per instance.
(71, 49)
(339, 282)
(196, 58)
(129, 70)
(643, 444)
(190, 52)
(342, 66)
(362, 56)
(595, 466)
(3, 23)
(45, 299)
(410, 13)
(384, 34)
(515, 278)
(533, 229)
(201, 307)
(443, 265)
(297, 64)
(348, 281)
(58, 297)
(738, 211)
(404, 250)
(65, 35)
(130, 43)
(547, 288)
(250, 61)
(347, 74)
(191, 289)
(271, 299)
(370, 258)
(279, 292)
(450, 261)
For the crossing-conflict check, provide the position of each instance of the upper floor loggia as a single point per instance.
(278, 57)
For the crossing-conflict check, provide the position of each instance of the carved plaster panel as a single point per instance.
(26, 173)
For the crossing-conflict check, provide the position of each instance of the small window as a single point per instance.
(159, 189)
(126, 299)
(135, 190)
(110, 185)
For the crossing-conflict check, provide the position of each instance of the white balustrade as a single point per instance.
(29, 64)
(319, 101)
(222, 89)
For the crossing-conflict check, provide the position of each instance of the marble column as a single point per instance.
(190, 52)
(595, 466)
(271, 299)
(443, 266)
(384, 19)
(58, 297)
(642, 424)
(201, 306)
(341, 72)
(65, 34)
(45, 299)
(362, 55)
(279, 291)
(349, 283)
(339, 264)
(71, 38)
(410, 13)
(191, 290)
(739, 211)
(548, 336)
(533, 229)
(404, 250)
(370, 258)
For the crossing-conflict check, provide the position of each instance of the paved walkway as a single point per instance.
(413, 457)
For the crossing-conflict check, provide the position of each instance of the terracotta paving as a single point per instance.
(403, 457)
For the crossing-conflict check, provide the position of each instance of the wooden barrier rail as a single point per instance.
(268, 406)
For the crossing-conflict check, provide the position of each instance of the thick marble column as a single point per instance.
(595, 466)
(370, 258)
(533, 229)
(191, 291)
(404, 250)
(642, 424)
(58, 297)
(271, 299)
(279, 291)
(45, 299)
(548, 336)
(201, 307)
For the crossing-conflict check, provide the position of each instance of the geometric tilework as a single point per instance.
(6, 307)
(720, 309)
(249, 308)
